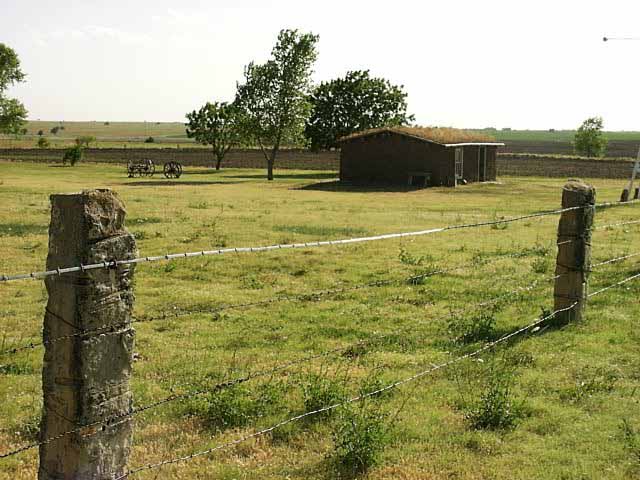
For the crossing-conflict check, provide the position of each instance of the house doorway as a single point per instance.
(459, 164)
(482, 164)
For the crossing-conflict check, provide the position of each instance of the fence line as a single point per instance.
(112, 264)
(615, 260)
(176, 313)
(613, 225)
(617, 284)
(115, 420)
(397, 384)
(532, 328)
(300, 297)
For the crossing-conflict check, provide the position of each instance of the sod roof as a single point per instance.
(443, 136)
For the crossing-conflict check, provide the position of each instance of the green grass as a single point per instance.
(552, 136)
(580, 383)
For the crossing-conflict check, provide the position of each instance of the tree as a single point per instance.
(55, 130)
(10, 72)
(73, 154)
(13, 115)
(274, 99)
(589, 139)
(40, 133)
(353, 103)
(43, 142)
(216, 124)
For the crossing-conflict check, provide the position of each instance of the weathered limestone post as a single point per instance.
(574, 250)
(85, 378)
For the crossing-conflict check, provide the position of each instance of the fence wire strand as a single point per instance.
(532, 328)
(115, 420)
(397, 384)
(113, 264)
(178, 312)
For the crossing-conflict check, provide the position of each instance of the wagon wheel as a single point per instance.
(171, 170)
(151, 168)
(130, 170)
(179, 165)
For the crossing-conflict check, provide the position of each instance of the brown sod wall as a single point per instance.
(564, 167)
(189, 157)
(507, 164)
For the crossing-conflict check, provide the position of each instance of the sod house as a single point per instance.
(417, 157)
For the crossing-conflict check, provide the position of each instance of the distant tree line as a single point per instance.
(277, 105)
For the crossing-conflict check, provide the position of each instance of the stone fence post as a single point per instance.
(574, 251)
(85, 378)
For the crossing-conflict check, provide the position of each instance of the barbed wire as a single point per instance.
(532, 328)
(379, 391)
(113, 264)
(617, 284)
(117, 419)
(177, 312)
(614, 260)
(613, 225)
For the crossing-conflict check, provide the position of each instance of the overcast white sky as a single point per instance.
(465, 63)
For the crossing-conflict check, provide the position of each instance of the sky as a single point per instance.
(464, 63)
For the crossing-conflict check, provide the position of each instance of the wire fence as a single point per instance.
(530, 328)
(115, 263)
(115, 420)
(98, 426)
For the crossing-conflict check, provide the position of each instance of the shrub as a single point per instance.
(590, 382)
(359, 436)
(631, 438)
(474, 327)
(408, 259)
(540, 265)
(496, 408)
(43, 143)
(236, 406)
(320, 390)
(150, 140)
(73, 155)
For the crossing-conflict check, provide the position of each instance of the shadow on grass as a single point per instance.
(22, 229)
(338, 186)
(288, 176)
(173, 183)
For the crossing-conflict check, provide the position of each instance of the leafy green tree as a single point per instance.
(43, 142)
(353, 103)
(216, 124)
(73, 154)
(55, 130)
(13, 115)
(274, 98)
(589, 139)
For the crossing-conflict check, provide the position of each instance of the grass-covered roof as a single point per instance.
(440, 135)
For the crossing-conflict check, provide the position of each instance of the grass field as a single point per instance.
(165, 134)
(573, 393)
(108, 134)
(554, 136)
